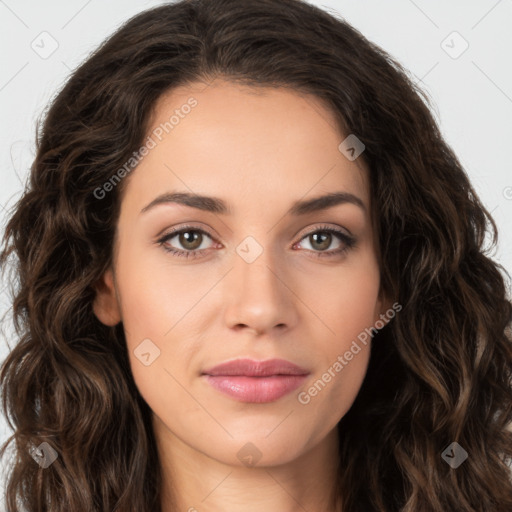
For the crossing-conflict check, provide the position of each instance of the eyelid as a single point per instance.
(182, 225)
(321, 227)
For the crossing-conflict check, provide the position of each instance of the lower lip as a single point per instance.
(256, 389)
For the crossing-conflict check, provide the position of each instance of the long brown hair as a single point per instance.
(439, 373)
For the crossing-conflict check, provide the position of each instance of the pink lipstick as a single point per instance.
(247, 380)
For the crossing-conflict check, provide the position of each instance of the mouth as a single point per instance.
(247, 380)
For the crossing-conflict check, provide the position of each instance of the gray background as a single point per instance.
(472, 89)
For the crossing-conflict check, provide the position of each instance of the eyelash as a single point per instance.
(348, 241)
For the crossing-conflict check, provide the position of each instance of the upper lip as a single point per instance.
(252, 368)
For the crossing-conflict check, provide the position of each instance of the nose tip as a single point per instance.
(259, 301)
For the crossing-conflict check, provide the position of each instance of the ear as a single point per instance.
(105, 304)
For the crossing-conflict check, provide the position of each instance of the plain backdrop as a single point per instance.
(459, 51)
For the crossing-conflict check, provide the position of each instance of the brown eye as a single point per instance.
(190, 240)
(186, 242)
(320, 240)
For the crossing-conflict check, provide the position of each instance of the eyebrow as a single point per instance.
(216, 205)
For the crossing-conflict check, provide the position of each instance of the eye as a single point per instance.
(190, 238)
(322, 238)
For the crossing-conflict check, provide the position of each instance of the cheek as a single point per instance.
(348, 306)
(162, 310)
(349, 303)
(154, 297)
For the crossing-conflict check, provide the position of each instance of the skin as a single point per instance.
(258, 149)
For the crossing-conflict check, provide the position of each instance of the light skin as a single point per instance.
(259, 150)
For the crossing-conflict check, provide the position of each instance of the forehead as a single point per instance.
(265, 143)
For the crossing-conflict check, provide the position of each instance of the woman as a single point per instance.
(252, 276)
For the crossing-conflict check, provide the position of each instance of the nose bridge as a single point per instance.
(259, 298)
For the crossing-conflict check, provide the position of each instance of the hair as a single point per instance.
(440, 372)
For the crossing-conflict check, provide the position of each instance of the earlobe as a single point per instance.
(105, 304)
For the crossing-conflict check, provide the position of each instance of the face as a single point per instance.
(250, 274)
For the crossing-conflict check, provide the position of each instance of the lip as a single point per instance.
(247, 380)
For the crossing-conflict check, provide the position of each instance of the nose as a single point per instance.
(259, 297)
